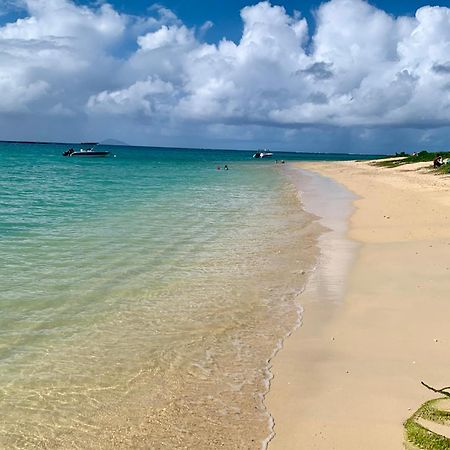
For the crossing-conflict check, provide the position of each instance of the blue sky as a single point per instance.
(225, 13)
(345, 75)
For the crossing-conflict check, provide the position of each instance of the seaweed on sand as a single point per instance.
(420, 437)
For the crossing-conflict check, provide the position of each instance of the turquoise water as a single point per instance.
(141, 295)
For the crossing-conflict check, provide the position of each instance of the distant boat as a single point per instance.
(89, 151)
(263, 154)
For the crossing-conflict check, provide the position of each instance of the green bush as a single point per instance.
(445, 169)
(422, 156)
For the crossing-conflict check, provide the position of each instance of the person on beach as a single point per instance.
(437, 162)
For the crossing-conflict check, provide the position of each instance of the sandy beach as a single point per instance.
(350, 376)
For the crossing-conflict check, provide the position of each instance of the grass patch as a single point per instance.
(425, 439)
(430, 412)
(389, 163)
(423, 156)
(445, 169)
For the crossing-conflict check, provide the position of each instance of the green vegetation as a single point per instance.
(422, 156)
(429, 411)
(420, 436)
(425, 439)
(445, 169)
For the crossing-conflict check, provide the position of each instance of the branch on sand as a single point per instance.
(442, 391)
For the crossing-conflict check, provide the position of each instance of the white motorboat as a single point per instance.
(86, 152)
(263, 154)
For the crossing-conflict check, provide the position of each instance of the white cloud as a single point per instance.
(361, 68)
(27, 92)
(167, 36)
(57, 56)
(364, 68)
(141, 97)
(206, 26)
(53, 19)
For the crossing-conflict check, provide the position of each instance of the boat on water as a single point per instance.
(263, 154)
(89, 151)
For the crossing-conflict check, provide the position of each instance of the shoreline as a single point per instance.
(336, 252)
(350, 376)
(325, 280)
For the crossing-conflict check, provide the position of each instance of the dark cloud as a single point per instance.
(319, 71)
(443, 69)
(318, 98)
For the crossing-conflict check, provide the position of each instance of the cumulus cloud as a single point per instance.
(56, 56)
(362, 71)
(166, 36)
(53, 20)
(143, 97)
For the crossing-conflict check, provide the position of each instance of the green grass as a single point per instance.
(389, 163)
(430, 412)
(444, 169)
(409, 159)
(425, 439)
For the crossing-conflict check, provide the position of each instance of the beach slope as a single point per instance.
(350, 376)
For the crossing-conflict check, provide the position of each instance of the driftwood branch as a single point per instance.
(442, 391)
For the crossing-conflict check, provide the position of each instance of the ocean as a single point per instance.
(143, 295)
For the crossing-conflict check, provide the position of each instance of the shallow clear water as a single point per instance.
(141, 296)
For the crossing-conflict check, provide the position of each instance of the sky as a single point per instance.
(333, 76)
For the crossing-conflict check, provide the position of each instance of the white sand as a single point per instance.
(350, 376)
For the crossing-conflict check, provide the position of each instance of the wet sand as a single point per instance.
(350, 376)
